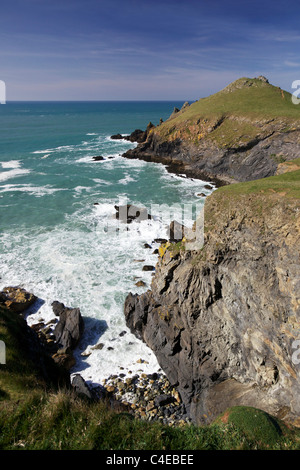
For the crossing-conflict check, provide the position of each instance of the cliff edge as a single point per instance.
(223, 320)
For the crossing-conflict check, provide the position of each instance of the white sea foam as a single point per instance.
(126, 142)
(11, 164)
(102, 182)
(127, 179)
(85, 159)
(44, 151)
(75, 267)
(29, 188)
(6, 175)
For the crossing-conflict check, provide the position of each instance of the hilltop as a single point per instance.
(243, 132)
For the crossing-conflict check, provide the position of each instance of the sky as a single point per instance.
(144, 50)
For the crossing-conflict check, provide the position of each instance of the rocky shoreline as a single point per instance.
(225, 146)
(146, 396)
(166, 155)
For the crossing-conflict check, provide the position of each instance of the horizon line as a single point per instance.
(96, 101)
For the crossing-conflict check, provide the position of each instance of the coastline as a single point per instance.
(147, 395)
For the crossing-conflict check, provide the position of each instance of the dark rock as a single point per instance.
(98, 346)
(148, 268)
(205, 161)
(129, 213)
(146, 245)
(221, 321)
(117, 137)
(263, 79)
(140, 284)
(98, 158)
(136, 136)
(163, 400)
(81, 387)
(160, 240)
(185, 105)
(64, 360)
(174, 113)
(16, 299)
(70, 326)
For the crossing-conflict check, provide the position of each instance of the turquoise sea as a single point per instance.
(58, 236)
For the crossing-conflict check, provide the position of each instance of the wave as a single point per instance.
(127, 179)
(44, 151)
(29, 188)
(11, 164)
(6, 175)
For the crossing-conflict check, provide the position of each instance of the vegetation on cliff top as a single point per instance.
(245, 110)
(36, 415)
(286, 184)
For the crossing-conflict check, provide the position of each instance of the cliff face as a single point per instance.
(258, 158)
(222, 320)
(241, 133)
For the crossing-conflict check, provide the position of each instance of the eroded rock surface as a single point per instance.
(222, 320)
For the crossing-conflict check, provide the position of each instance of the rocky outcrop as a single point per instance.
(70, 326)
(137, 135)
(67, 333)
(26, 340)
(259, 158)
(129, 213)
(227, 137)
(222, 320)
(16, 299)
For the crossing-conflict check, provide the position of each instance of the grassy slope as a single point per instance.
(287, 185)
(18, 376)
(36, 416)
(234, 116)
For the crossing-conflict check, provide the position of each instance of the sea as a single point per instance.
(59, 237)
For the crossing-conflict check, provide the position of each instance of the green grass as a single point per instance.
(62, 421)
(287, 185)
(260, 100)
(21, 375)
(35, 415)
(244, 111)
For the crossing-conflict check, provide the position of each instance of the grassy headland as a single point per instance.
(246, 109)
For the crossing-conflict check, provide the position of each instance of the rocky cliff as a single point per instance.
(222, 319)
(241, 133)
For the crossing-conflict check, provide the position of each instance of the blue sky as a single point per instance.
(144, 50)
